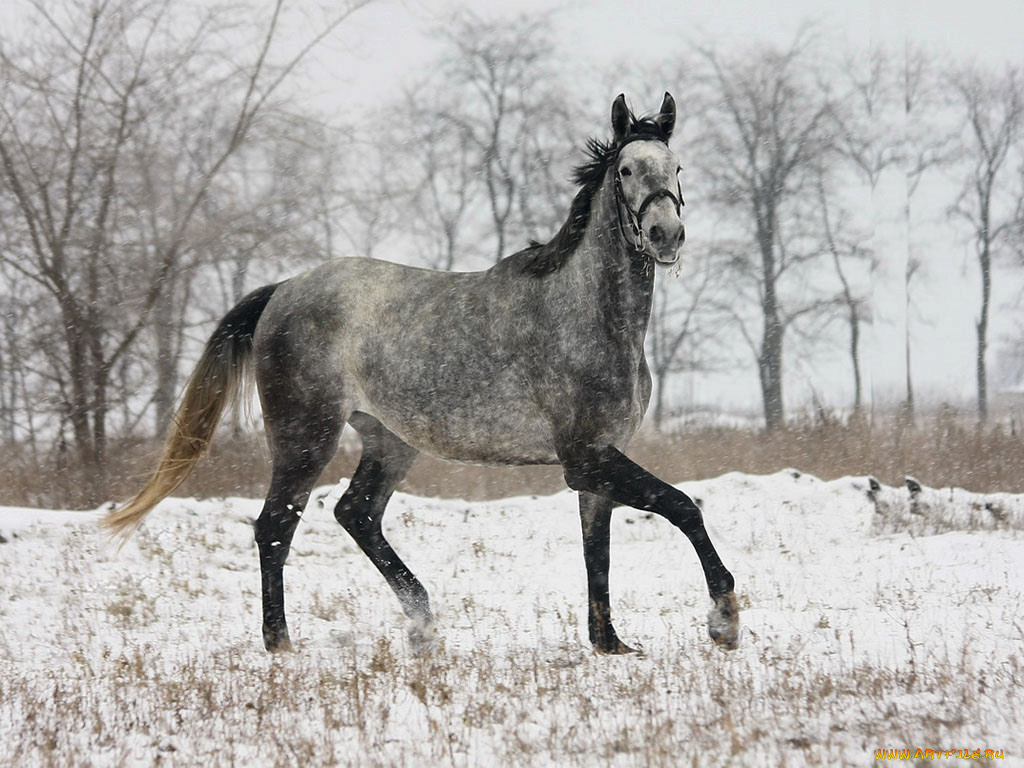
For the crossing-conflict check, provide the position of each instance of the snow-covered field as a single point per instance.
(866, 626)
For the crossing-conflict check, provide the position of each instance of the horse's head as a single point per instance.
(647, 189)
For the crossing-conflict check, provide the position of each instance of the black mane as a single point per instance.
(539, 259)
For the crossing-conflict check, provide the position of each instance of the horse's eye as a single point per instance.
(625, 171)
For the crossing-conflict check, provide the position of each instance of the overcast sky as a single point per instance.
(390, 40)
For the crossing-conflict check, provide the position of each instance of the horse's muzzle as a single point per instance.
(665, 243)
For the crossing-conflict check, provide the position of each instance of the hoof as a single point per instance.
(422, 636)
(615, 647)
(619, 648)
(724, 622)
(276, 640)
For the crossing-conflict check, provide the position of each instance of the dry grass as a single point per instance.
(943, 449)
(391, 709)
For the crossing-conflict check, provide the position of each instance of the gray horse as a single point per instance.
(538, 360)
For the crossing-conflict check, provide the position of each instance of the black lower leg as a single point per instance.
(360, 511)
(595, 516)
(274, 537)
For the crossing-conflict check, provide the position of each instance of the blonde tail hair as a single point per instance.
(214, 383)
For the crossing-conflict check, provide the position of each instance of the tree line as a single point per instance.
(153, 169)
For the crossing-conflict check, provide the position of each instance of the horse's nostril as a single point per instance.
(656, 234)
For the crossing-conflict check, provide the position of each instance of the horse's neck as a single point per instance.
(614, 286)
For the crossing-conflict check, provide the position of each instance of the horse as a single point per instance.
(537, 360)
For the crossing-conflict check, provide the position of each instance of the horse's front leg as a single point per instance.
(607, 472)
(595, 516)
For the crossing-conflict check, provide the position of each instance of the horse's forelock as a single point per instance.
(602, 154)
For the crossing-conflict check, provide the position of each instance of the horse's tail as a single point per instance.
(215, 381)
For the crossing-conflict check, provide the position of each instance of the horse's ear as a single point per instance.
(620, 118)
(666, 118)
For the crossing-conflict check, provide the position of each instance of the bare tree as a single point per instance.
(767, 136)
(364, 194)
(925, 144)
(992, 108)
(866, 113)
(845, 252)
(94, 90)
(255, 221)
(443, 186)
(510, 112)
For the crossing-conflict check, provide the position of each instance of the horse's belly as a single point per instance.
(493, 421)
(515, 437)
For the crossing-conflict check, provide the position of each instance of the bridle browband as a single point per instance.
(635, 217)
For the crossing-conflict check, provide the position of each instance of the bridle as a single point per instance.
(635, 217)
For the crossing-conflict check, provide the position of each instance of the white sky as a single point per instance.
(386, 42)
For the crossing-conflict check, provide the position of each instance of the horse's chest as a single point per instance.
(622, 391)
(600, 394)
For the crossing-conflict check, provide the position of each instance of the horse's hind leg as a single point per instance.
(385, 461)
(596, 515)
(300, 454)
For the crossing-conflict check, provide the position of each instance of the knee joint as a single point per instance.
(274, 540)
(269, 528)
(354, 516)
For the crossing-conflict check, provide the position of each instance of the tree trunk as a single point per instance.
(98, 472)
(770, 370)
(769, 361)
(166, 362)
(982, 329)
(239, 273)
(855, 359)
(7, 398)
(79, 403)
(908, 403)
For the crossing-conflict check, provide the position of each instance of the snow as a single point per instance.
(872, 620)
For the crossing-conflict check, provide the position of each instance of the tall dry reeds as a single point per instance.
(945, 448)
